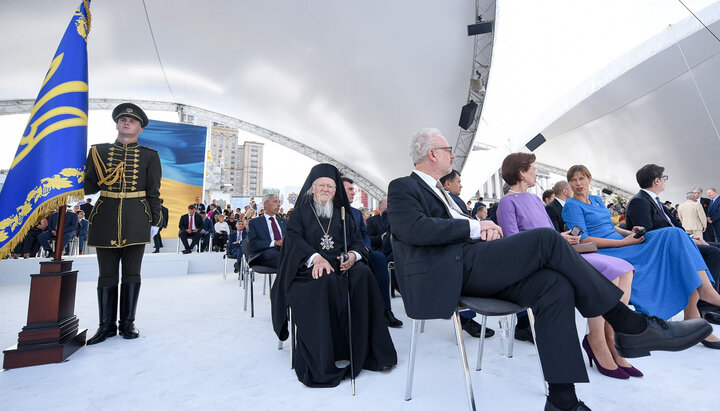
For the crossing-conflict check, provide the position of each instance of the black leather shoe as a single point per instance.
(712, 317)
(474, 329)
(580, 406)
(524, 334)
(391, 320)
(662, 336)
(236, 267)
(157, 250)
(715, 345)
(186, 251)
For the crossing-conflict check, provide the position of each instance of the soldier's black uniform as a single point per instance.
(128, 179)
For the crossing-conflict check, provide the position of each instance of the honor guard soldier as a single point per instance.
(124, 218)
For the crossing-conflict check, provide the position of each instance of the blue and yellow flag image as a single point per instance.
(182, 154)
(49, 163)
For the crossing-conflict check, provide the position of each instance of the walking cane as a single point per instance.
(342, 260)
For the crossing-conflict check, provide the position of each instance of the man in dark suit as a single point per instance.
(71, 222)
(713, 211)
(452, 183)
(82, 231)
(158, 237)
(199, 206)
(190, 226)
(709, 233)
(477, 205)
(265, 234)
(376, 227)
(87, 207)
(206, 232)
(562, 192)
(440, 254)
(646, 210)
(378, 262)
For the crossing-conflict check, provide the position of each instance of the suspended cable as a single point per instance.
(157, 53)
(698, 19)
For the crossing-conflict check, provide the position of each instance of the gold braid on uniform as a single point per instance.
(105, 176)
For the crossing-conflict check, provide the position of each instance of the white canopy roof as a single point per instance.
(354, 80)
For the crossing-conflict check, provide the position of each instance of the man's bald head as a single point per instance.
(562, 190)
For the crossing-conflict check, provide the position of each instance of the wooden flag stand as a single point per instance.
(51, 334)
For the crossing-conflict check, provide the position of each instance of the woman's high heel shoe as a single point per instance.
(616, 373)
(632, 371)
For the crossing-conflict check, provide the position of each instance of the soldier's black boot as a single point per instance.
(107, 304)
(128, 304)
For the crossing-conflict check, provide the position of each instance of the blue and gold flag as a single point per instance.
(49, 164)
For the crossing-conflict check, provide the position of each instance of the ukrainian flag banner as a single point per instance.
(49, 163)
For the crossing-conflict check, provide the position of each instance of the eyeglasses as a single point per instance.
(329, 187)
(448, 148)
(664, 178)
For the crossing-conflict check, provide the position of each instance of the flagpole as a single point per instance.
(60, 231)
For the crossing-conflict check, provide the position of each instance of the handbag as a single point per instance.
(585, 248)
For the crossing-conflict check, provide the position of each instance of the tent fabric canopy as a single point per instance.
(355, 80)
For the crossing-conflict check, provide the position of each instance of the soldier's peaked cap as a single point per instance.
(130, 110)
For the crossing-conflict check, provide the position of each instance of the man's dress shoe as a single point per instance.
(712, 317)
(580, 406)
(524, 334)
(391, 320)
(474, 329)
(662, 336)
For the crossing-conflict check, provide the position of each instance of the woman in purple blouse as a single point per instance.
(521, 211)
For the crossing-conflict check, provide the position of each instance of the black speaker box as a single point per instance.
(479, 28)
(467, 115)
(536, 142)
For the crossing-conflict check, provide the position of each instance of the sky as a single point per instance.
(101, 129)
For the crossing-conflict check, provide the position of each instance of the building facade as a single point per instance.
(241, 165)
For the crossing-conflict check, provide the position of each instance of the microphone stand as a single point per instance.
(342, 260)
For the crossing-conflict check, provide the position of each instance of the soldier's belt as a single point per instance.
(111, 194)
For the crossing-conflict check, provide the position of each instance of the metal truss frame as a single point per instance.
(8, 107)
(482, 57)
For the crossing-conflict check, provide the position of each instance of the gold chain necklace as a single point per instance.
(326, 241)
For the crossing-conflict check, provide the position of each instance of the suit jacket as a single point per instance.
(71, 222)
(164, 212)
(375, 227)
(642, 210)
(460, 203)
(259, 235)
(208, 226)
(185, 222)
(83, 227)
(554, 210)
(87, 209)
(705, 203)
(475, 208)
(427, 246)
(692, 216)
(714, 210)
(360, 224)
(199, 207)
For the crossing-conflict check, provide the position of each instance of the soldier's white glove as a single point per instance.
(153, 231)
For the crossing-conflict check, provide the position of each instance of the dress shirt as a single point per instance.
(475, 228)
(562, 202)
(270, 230)
(658, 203)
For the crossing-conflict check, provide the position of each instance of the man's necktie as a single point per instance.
(276, 231)
(444, 193)
(190, 217)
(662, 209)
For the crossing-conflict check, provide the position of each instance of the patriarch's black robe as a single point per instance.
(319, 306)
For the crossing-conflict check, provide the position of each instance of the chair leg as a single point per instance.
(225, 257)
(463, 360)
(411, 360)
(252, 296)
(511, 337)
(481, 344)
(247, 279)
(422, 326)
(531, 318)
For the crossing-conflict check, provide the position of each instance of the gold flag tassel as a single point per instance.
(38, 214)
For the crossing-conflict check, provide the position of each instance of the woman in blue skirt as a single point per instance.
(670, 274)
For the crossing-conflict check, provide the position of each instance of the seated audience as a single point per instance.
(645, 210)
(82, 231)
(670, 274)
(190, 225)
(30, 245)
(441, 254)
(521, 211)
(562, 192)
(318, 286)
(452, 183)
(376, 227)
(199, 206)
(265, 234)
(71, 222)
(222, 232)
(249, 214)
(548, 196)
(207, 230)
(378, 262)
(482, 213)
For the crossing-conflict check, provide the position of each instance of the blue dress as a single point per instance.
(666, 263)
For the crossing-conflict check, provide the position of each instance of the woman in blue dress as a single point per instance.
(670, 274)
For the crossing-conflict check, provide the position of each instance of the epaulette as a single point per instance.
(148, 148)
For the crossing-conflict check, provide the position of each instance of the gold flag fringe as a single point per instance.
(86, 4)
(38, 214)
